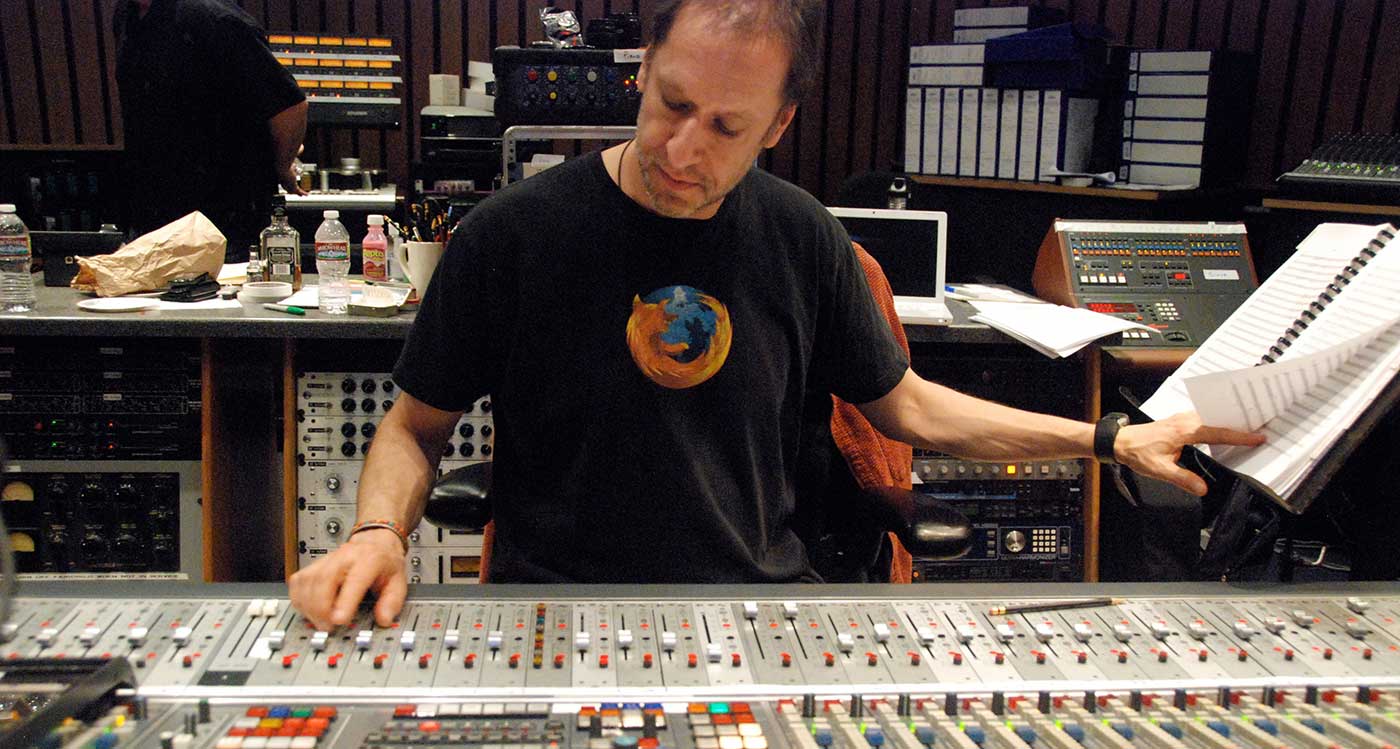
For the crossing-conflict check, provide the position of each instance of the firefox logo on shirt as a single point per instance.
(679, 336)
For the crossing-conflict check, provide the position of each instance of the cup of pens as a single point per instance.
(419, 260)
(429, 221)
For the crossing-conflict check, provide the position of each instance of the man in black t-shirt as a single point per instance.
(647, 321)
(211, 121)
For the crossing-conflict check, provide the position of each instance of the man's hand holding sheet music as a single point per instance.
(1152, 450)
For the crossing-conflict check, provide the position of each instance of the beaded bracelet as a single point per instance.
(389, 524)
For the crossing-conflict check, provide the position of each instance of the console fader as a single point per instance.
(338, 414)
(1170, 667)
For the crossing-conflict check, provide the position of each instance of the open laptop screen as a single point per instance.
(909, 245)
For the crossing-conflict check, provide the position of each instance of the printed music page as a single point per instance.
(1249, 398)
(1247, 334)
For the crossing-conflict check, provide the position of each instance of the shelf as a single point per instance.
(1045, 187)
(1314, 205)
(384, 199)
(45, 147)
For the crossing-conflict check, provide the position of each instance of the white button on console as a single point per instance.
(1358, 629)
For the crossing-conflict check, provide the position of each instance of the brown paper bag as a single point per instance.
(186, 246)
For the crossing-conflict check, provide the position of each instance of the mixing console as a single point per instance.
(1181, 280)
(1168, 667)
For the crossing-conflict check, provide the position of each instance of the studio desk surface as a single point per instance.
(1204, 666)
(57, 314)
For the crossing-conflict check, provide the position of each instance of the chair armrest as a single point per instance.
(926, 526)
(461, 498)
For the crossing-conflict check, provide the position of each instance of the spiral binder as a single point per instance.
(1328, 294)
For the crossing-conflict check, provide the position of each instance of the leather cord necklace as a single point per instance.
(620, 162)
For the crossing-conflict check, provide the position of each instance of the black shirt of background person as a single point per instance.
(198, 84)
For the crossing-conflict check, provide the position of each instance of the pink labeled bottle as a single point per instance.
(374, 250)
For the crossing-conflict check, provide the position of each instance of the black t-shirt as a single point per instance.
(198, 84)
(647, 374)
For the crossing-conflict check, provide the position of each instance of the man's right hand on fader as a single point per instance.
(329, 592)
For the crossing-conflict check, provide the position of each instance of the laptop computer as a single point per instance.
(911, 247)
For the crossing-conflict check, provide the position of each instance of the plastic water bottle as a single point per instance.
(16, 285)
(333, 264)
(374, 250)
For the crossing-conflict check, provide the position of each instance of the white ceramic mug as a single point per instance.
(418, 260)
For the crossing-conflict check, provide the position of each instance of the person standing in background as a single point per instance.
(210, 119)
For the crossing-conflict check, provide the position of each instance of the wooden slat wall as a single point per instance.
(1327, 68)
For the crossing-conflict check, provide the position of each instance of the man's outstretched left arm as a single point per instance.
(931, 416)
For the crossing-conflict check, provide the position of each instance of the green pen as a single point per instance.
(289, 309)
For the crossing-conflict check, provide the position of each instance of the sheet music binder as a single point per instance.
(1328, 295)
(1308, 479)
(1322, 473)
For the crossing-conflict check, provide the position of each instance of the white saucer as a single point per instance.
(118, 304)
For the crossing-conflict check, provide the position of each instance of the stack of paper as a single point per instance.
(1051, 329)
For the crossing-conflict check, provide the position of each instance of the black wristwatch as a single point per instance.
(1105, 432)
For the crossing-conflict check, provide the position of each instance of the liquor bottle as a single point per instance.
(281, 247)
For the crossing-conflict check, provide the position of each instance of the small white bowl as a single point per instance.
(259, 292)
